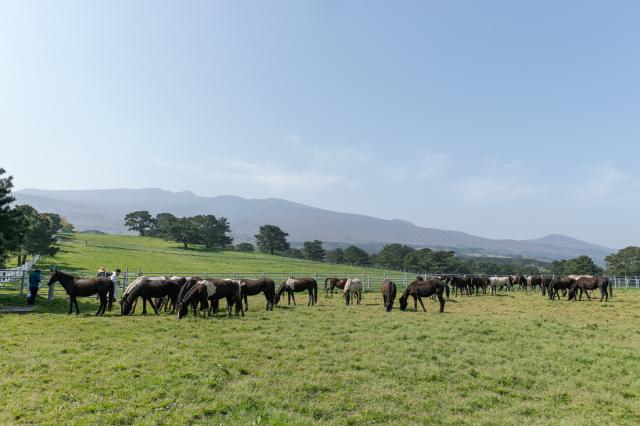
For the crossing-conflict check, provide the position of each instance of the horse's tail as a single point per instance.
(326, 282)
(112, 291)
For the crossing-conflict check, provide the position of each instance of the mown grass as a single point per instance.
(507, 359)
(87, 252)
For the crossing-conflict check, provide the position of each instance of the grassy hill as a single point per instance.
(85, 253)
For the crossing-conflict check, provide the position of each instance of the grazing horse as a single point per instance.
(545, 282)
(230, 290)
(149, 289)
(423, 288)
(558, 284)
(479, 283)
(458, 283)
(591, 283)
(520, 280)
(79, 287)
(184, 289)
(293, 285)
(353, 290)
(200, 292)
(534, 281)
(389, 291)
(163, 302)
(331, 283)
(498, 283)
(261, 285)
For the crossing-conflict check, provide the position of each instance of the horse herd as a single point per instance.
(178, 294)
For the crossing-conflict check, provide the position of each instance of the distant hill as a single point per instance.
(104, 210)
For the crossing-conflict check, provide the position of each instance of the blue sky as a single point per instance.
(499, 118)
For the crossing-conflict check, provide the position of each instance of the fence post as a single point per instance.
(22, 283)
(125, 279)
(405, 280)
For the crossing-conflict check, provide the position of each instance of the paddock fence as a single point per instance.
(17, 280)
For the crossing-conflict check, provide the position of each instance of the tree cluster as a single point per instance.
(207, 230)
(625, 262)
(581, 265)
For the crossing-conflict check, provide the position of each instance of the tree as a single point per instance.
(140, 221)
(212, 232)
(248, 247)
(582, 265)
(184, 231)
(35, 233)
(335, 256)
(392, 255)
(162, 225)
(313, 250)
(356, 256)
(7, 215)
(296, 253)
(625, 262)
(271, 238)
(427, 260)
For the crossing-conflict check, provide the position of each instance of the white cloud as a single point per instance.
(488, 189)
(606, 180)
(422, 167)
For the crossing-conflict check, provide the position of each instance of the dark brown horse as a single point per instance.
(294, 285)
(261, 285)
(229, 290)
(165, 302)
(458, 282)
(558, 284)
(534, 281)
(423, 288)
(584, 284)
(478, 283)
(331, 283)
(544, 284)
(184, 289)
(149, 289)
(80, 287)
(520, 280)
(389, 291)
(200, 292)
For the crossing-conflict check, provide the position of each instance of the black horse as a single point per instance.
(149, 290)
(293, 285)
(424, 288)
(584, 284)
(200, 292)
(229, 290)
(389, 291)
(80, 287)
(261, 285)
(557, 284)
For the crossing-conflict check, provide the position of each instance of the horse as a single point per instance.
(458, 283)
(332, 283)
(200, 292)
(292, 285)
(498, 283)
(149, 289)
(534, 281)
(479, 283)
(136, 282)
(389, 291)
(261, 285)
(545, 282)
(591, 283)
(163, 302)
(423, 288)
(520, 280)
(184, 289)
(80, 287)
(353, 289)
(557, 284)
(230, 290)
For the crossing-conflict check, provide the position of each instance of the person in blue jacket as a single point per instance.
(34, 286)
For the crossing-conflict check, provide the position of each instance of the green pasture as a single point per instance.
(510, 359)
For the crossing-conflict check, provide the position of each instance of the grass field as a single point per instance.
(508, 359)
(87, 252)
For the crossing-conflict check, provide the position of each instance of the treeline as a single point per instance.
(23, 230)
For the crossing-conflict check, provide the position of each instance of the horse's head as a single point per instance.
(183, 309)
(572, 294)
(125, 306)
(55, 277)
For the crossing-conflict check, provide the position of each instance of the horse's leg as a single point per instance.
(422, 304)
(103, 304)
(587, 293)
(293, 297)
(441, 300)
(75, 302)
(415, 303)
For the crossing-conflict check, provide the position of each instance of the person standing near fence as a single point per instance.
(116, 284)
(34, 286)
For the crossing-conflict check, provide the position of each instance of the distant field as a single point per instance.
(506, 360)
(87, 252)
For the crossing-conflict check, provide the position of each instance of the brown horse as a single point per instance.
(545, 282)
(261, 285)
(331, 283)
(294, 285)
(557, 284)
(478, 283)
(149, 289)
(591, 283)
(389, 291)
(520, 280)
(79, 287)
(184, 289)
(229, 290)
(423, 288)
(458, 282)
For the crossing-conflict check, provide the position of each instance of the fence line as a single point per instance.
(16, 279)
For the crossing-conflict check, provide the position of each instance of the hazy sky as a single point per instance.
(500, 118)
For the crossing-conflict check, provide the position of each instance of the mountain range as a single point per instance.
(104, 210)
